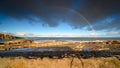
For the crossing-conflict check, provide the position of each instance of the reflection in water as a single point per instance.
(42, 49)
(85, 49)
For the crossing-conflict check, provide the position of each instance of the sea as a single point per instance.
(71, 39)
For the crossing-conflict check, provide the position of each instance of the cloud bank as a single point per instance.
(76, 13)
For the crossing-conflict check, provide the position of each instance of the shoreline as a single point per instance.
(33, 43)
(30, 48)
(65, 54)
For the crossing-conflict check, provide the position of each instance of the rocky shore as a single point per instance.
(91, 48)
(113, 45)
(98, 54)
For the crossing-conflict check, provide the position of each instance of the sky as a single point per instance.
(60, 18)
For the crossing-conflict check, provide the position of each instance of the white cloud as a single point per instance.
(89, 34)
(19, 34)
(60, 35)
(22, 34)
(113, 33)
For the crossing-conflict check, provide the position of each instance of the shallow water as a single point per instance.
(42, 49)
(2, 41)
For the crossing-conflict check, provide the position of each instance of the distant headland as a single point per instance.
(4, 36)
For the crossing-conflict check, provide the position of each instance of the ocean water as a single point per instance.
(72, 39)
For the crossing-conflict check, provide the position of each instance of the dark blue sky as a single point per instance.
(71, 18)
